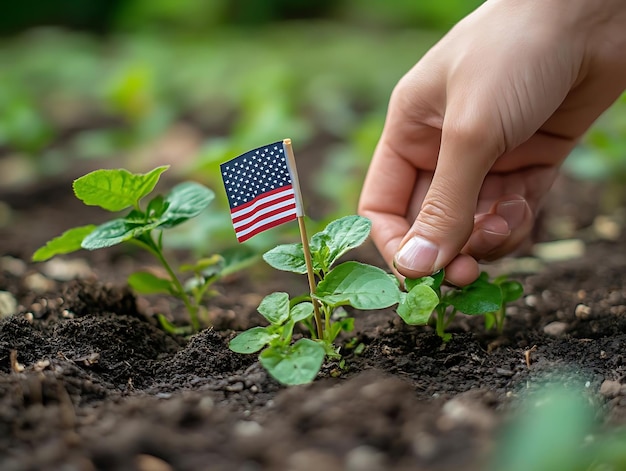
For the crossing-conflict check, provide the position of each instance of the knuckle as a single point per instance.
(440, 217)
(473, 131)
(438, 214)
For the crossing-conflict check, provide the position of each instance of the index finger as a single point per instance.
(386, 198)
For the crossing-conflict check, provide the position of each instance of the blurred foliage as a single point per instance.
(184, 16)
(556, 429)
(602, 153)
(119, 97)
(232, 74)
(409, 13)
(601, 156)
(95, 15)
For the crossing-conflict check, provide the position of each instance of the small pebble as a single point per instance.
(8, 304)
(365, 458)
(582, 311)
(247, 429)
(555, 329)
(615, 297)
(12, 265)
(38, 283)
(459, 412)
(151, 463)
(236, 387)
(66, 270)
(531, 300)
(558, 250)
(606, 227)
(206, 404)
(504, 372)
(610, 388)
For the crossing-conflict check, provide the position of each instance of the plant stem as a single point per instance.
(500, 319)
(449, 319)
(182, 295)
(440, 325)
(327, 314)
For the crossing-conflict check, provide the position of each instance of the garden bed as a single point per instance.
(88, 380)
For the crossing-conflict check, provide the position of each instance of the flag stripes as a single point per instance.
(260, 190)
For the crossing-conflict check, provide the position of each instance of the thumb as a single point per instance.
(446, 218)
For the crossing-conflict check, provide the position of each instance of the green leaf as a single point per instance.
(69, 241)
(297, 364)
(301, 311)
(138, 218)
(418, 305)
(185, 201)
(156, 208)
(112, 233)
(167, 326)
(340, 236)
(476, 298)
(433, 281)
(250, 341)
(207, 266)
(275, 307)
(320, 252)
(490, 320)
(238, 258)
(115, 190)
(511, 290)
(287, 257)
(343, 325)
(358, 285)
(147, 283)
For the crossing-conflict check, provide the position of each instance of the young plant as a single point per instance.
(118, 190)
(349, 283)
(425, 297)
(511, 290)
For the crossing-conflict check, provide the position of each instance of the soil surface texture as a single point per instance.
(88, 381)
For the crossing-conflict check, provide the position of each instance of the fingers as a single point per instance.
(462, 270)
(495, 234)
(385, 199)
(502, 230)
(446, 219)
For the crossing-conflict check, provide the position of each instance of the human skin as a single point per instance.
(477, 129)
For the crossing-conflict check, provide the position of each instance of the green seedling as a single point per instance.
(349, 283)
(118, 190)
(511, 290)
(425, 298)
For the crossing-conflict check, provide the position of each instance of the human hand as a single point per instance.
(476, 131)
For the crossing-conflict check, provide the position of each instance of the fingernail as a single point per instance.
(497, 226)
(418, 254)
(513, 212)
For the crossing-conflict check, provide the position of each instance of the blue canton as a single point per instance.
(254, 173)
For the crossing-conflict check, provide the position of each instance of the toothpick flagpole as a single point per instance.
(303, 235)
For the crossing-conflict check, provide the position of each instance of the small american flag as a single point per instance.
(262, 189)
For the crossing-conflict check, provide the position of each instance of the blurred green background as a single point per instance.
(192, 83)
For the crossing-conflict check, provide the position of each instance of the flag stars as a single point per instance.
(254, 173)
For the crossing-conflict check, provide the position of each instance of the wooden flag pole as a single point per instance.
(303, 236)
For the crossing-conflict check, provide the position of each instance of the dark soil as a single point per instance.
(89, 382)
